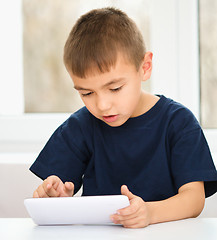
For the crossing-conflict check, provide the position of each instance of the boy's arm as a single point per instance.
(189, 202)
(54, 187)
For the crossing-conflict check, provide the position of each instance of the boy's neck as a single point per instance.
(147, 101)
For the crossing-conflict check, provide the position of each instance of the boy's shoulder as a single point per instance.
(180, 119)
(179, 112)
(172, 110)
(81, 120)
(81, 114)
(77, 128)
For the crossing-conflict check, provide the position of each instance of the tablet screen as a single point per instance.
(74, 210)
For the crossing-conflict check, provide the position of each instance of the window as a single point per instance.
(170, 29)
(46, 25)
(208, 62)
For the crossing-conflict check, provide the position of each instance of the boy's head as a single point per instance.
(105, 57)
(96, 40)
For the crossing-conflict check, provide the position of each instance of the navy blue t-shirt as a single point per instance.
(153, 154)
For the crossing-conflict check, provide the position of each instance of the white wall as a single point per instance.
(16, 184)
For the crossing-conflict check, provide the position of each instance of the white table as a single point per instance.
(190, 229)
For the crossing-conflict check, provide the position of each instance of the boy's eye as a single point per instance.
(116, 89)
(86, 94)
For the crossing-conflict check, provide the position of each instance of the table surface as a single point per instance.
(24, 228)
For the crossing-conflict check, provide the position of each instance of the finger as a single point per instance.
(51, 184)
(136, 225)
(131, 209)
(69, 188)
(135, 222)
(118, 219)
(35, 194)
(50, 190)
(129, 222)
(53, 180)
(125, 191)
(41, 192)
(126, 222)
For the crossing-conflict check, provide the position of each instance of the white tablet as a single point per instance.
(74, 210)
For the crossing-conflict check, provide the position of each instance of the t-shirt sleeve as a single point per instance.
(191, 159)
(64, 155)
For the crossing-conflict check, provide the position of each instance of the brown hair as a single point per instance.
(96, 39)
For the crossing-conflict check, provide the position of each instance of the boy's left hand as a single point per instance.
(134, 216)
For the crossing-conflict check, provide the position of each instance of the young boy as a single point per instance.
(124, 138)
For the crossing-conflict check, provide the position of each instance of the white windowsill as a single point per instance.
(17, 158)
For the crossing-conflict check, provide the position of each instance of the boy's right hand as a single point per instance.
(54, 187)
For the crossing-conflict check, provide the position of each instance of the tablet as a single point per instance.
(74, 210)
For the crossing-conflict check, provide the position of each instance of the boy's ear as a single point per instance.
(147, 66)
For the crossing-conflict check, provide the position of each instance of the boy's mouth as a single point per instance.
(110, 118)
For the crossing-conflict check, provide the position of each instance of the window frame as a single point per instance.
(11, 74)
(183, 63)
(174, 22)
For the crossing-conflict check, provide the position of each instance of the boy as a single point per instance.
(125, 135)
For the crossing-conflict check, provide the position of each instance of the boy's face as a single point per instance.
(114, 96)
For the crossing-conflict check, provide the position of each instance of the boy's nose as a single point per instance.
(103, 104)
